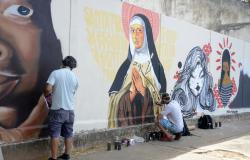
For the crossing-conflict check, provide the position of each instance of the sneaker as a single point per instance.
(64, 157)
(51, 158)
(177, 136)
(167, 138)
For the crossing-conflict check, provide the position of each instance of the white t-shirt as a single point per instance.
(173, 113)
(64, 84)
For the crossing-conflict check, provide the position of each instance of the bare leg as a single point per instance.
(168, 135)
(54, 147)
(68, 145)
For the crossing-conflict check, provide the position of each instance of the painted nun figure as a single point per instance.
(139, 80)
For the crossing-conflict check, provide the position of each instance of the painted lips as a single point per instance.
(197, 87)
(8, 82)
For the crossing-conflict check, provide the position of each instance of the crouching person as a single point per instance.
(170, 119)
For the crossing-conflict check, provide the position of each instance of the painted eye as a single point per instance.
(18, 10)
(202, 75)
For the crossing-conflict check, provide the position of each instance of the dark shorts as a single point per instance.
(169, 125)
(61, 123)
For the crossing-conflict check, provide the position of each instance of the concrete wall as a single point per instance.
(34, 41)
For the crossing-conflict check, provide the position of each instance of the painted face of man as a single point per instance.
(137, 32)
(196, 80)
(19, 48)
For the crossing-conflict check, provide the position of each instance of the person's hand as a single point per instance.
(132, 88)
(160, 116)
(10, 135)
(138, 81)
(132, 92)
(30, 127)
(158, 103)
(48, 99)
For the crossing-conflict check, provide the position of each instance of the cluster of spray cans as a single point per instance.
(153, 135)
(217, 124)
(148, 136)
(118, 143)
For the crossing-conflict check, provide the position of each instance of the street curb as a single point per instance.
(1, 154)
(89, 140)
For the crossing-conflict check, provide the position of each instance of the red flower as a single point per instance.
(217, 96)
(207, 49)
(177, 75)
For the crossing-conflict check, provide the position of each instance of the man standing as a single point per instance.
(170, 118)
(62, 85)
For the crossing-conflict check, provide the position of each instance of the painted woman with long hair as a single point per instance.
(225, 82)
(193, 90)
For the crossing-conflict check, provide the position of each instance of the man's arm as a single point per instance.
(167, 109)
(34, 123)
(30, 128)
(48, 89)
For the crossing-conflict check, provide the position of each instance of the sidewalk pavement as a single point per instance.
(231, 141)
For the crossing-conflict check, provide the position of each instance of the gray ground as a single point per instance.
(231, 141)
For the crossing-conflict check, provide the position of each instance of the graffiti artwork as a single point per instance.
(226, 86)
(242, 99)
(140, 79)
(193, 89)
(29, 52)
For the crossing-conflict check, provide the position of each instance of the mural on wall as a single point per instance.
(193, 89)
(242, 99)
(140, 78)
(134, 68)
(226, 64)
(29, 52)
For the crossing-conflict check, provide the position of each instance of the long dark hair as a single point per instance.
(50, 55)
(182, 92)
(225, 58)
